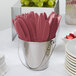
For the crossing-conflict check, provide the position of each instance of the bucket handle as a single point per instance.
(52, 43)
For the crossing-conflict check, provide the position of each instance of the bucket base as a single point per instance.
(39, 69)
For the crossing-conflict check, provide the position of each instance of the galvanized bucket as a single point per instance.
(36, 54)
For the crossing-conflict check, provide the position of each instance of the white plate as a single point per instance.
(71, 66)
(71, 48)
(2, 58)
(69, 71)
(71, 62)
(3, 66)
(70, 58)
(70, 55)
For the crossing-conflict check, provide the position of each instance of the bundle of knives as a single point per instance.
(35, 27)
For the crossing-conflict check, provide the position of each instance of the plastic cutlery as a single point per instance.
(25, 29)
(30, 27)
(32, 18)
(46, 30)
(36, 19)
(42, 28)
(37, 28)
(54, 26)
(19, 30)
(50, 18)
(51, 15)
(36, 23)
(45, 15)
(32, 21)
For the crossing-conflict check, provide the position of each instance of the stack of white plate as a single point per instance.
(70, 60)
(3, 66)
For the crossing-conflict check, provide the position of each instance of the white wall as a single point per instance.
(62, 6)
(5, 12)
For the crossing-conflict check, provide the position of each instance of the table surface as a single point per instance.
(56, 64)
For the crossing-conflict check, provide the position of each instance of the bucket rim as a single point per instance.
(37, 42)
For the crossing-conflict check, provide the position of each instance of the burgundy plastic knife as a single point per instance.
(46, 30)
(19, 30)
(54, 26)
(30, 27)
(24, 28)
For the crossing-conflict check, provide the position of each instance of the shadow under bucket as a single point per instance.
(36, 54)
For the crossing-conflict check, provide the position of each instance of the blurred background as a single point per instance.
(5, 12)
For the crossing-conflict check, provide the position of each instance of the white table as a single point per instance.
(56, 66)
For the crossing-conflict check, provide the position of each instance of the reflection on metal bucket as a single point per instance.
(36, 54)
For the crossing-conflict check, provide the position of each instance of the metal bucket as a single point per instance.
(36, 54)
